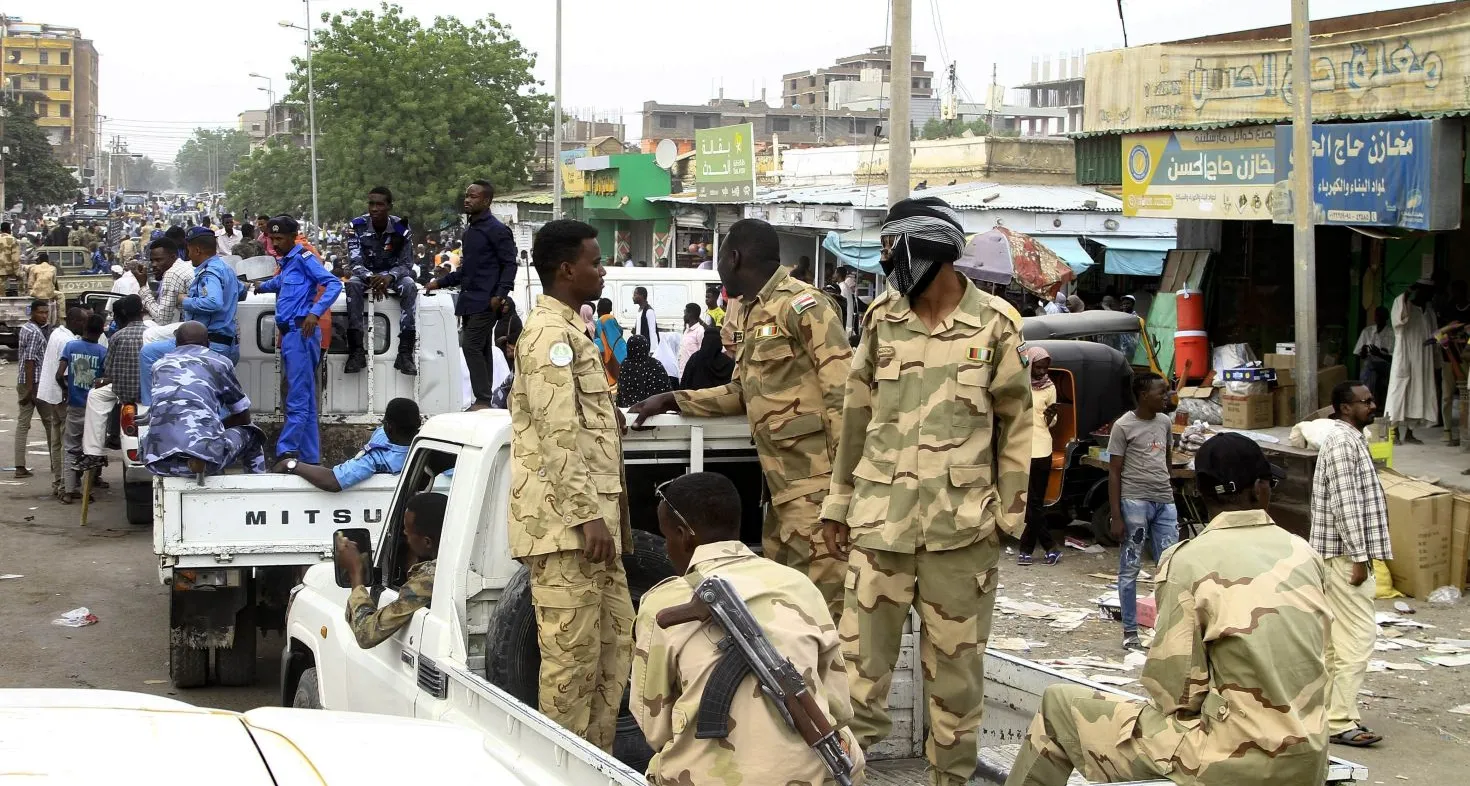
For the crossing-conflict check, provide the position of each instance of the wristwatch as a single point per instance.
(291, 466)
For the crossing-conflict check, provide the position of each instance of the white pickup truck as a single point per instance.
(471, 658)
(232, 547)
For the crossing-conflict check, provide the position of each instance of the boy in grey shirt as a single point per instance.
(1139, 491)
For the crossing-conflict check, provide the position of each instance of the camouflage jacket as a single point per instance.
(372, 625)
(672, 667)
(42, 280)
(935, 448)
(192, 387)
(1236, 677)
(9, 253)
(566, 447)
(790, 359)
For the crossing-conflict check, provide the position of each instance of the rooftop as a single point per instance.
(963, 196)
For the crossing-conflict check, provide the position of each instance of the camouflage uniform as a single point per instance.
(791, 357)
(727, 327)
(934, 454)
(192, 385)
(9, 256)
(41, 278)
(372, 625)
(566, 471)
(1236, 678)
(672, 667)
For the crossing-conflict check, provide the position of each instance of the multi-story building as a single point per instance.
(280, 120)
(256, 124)
(808, 89)
(801, 126)
(1062, 91)
(52, 70)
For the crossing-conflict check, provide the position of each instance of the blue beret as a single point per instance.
(284, 225)
(195, 233)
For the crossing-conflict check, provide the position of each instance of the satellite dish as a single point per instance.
(665, 153)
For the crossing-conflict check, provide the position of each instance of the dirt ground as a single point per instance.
(1423, 741)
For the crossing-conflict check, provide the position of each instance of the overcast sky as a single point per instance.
(168, 66)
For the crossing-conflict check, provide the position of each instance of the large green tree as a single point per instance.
(274, 179)
(33, 175)
(421, 109)
(143, 174)
(209, 156)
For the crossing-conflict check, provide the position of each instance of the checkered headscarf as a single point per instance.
(929, 234)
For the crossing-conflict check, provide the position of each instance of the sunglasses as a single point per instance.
(658, 494)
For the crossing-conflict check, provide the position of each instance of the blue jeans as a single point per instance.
(1158, 522)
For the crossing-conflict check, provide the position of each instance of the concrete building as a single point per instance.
(803, 126)
(254, 122)
(52, 70)
(934, 163)
(1060, 91)
(810, 89)
(280, 120)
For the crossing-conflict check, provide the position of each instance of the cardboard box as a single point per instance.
(1247, 412)
(1201, 392)
(1286, 348)
(1327, 379)
(1283, 404)
(1249, 374)
(1420, 518)
(1460, 541)
(1285, 366)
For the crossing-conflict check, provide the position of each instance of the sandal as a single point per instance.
(1053, 557)
(1025, 559)
(1359, 736)
(66, 497)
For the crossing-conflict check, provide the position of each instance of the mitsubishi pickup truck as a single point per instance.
(231, 547)
(471, 658)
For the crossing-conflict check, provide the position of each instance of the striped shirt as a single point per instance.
(1349, 512)
(32, 347)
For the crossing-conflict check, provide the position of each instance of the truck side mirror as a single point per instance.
(360, 537)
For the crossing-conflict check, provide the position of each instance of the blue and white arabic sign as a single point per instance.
(1401, 174)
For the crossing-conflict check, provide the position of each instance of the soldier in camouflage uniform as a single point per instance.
(566, 507)
(933, 457)
(423, 521)
(1236, 679)
(192, 385)
(791, 361)
(699, 516)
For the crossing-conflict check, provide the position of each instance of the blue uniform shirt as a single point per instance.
(378, 457)
(295, 286)
(369, 252)
(213, 297)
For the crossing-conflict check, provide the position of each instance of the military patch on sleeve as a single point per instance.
(801, 303)
(1025, 361)
(561, 354)
(765, 331)
(981, 354)
(737, 336)
(886, 352)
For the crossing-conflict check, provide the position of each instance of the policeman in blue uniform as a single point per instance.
(298, 310)
(200, 418)
(379, 253)
(383, 454)
(214, 295)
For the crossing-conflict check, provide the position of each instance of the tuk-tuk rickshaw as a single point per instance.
(1093, 382)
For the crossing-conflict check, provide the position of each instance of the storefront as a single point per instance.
(616, 200)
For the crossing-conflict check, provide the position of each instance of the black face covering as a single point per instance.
(928, 234)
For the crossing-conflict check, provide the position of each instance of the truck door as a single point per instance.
(386, 679)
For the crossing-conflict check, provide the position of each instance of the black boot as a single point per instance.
(356, 356)
(407, 346)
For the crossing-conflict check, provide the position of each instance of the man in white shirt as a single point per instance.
(693, 335)
(1375, 350)
(50, 392)
(226, 237)
(124, 282)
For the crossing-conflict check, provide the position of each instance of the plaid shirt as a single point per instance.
(32, 347)
(176, 280)
(1349, 513)
(122, 362)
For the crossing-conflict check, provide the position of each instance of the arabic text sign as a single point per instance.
(1400, 174)
(1418, 66)
(1222, 173)
(724, 164)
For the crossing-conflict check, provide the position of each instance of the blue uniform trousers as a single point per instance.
(299, 358)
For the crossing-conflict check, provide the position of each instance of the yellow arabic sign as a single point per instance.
(1420, 66)
(1220, 173)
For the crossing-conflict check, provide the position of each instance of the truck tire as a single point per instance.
(513, 661)
(187, 667)
(308, 694)
(138, 502)
(234, 666)
(1102, 525)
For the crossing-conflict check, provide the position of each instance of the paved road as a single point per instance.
(108, 567)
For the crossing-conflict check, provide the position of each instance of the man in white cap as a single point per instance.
(1413, 399)
(123, 282)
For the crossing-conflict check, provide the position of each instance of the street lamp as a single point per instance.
(270, 111)
(310, 107)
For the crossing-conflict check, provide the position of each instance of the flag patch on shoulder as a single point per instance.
(765, 331)
(980, 354)
(801, 303)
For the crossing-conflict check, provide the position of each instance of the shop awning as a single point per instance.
(1135, 256)
(1069, 250)
(856, 248)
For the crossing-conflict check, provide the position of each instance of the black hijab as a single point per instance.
(639, 375)
(709, 366)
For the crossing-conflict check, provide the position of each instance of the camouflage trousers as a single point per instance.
(1097, 734)
(955, 594)
(584, 626)
(792, 536)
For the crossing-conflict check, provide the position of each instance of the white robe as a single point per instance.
(1413, 398)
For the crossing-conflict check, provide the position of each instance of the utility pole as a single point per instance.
(900, 83)
(1304, 243)
(556, 126)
